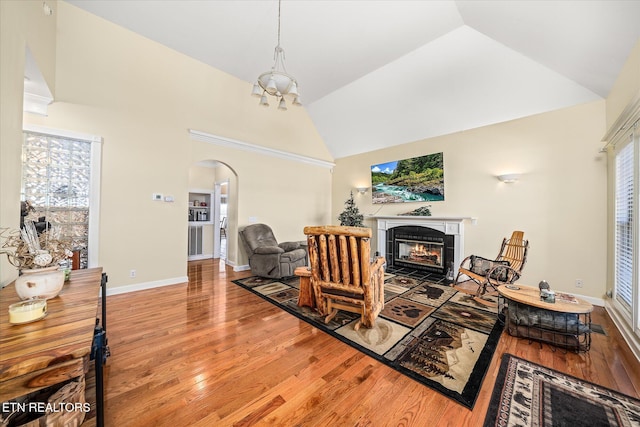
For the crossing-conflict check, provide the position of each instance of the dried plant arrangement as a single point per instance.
(25, 249)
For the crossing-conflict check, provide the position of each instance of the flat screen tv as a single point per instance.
(419, 179)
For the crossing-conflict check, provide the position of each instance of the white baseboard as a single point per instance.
(595, 301)
(146, 285)
(625, 330)
(240, 267)
(199, 257)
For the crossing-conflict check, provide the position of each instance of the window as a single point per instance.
(625, 303)
(60, 172)
(624, 225)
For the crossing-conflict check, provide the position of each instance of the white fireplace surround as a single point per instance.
(452, 226)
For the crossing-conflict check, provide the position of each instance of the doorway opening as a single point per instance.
(221, 201)
(212, 222)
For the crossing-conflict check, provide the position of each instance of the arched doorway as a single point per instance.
(213, 186)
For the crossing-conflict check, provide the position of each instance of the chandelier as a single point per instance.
(277, 82)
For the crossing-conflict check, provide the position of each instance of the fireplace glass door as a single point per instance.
(420, 252)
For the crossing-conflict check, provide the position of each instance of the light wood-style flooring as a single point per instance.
(209, 353)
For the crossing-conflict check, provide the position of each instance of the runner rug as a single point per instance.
(427, 331)
(527, 394)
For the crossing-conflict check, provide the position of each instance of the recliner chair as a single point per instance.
(267, 257)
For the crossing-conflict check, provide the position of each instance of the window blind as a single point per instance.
(624, 227)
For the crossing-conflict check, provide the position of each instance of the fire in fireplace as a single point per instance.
(420, 252)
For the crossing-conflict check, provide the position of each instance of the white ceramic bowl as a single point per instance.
(43, 283)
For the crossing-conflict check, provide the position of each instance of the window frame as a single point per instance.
(630, 314)
(94, 183)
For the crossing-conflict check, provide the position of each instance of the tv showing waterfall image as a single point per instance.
(419, 179)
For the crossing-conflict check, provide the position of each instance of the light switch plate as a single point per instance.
(157, 197)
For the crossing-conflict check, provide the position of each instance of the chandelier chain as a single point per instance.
(277, 82)
(279, 6)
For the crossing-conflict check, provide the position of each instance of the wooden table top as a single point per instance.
(62, 338)
(529, 295)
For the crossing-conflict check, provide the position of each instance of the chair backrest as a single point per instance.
(515, 251)
(339, 254)
(257, 235)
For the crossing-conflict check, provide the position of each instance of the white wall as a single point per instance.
(22, 24)
(284, 193)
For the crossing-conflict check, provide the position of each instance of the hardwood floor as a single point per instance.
(211, 353)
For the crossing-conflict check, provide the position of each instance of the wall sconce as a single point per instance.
(509, 178)
(362, 190)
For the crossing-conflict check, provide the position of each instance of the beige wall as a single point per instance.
(22, 24)
(627, 86)
(559, 201)
(285, 194)
(142, 98)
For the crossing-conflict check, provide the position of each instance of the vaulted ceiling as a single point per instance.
(373, 74)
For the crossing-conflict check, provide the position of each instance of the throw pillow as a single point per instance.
(482, 266)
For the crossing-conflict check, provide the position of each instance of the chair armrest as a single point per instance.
(289, 246)
(266, 250)
(377, 264)
(466, 261)
(302, 272)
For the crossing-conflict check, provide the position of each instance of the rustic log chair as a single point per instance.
(505, 269)
(342, 274)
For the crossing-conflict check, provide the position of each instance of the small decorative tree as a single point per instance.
(351, 216)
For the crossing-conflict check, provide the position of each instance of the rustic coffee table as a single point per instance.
(565, 323)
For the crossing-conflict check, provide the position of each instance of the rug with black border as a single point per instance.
(528, 394)
(427, 330)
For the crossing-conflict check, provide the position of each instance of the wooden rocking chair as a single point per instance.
(342, 275)
(505, 269)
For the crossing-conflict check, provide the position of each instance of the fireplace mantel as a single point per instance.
(453, 226)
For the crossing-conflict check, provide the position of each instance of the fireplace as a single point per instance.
(432, 244)
(419, 247)
(420, 253)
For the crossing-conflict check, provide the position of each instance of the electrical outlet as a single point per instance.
(578, 283)
(132, 273)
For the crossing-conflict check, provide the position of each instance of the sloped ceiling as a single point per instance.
(373, 74)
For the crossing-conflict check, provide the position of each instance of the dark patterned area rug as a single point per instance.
(527, 394)
(427, 330)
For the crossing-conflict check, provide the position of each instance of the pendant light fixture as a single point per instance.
(277, 82)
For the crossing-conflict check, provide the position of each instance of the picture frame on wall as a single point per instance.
(417, 179)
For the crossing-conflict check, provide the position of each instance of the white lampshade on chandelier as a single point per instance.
(277, 82)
